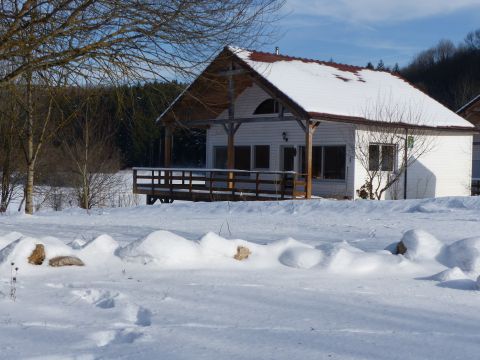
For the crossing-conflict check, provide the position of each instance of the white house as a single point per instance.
(270, 113)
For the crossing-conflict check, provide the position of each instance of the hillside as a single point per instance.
(447, 72)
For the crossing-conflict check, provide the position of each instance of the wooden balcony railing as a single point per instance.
(168, 184)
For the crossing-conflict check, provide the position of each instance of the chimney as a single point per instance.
(277, 50)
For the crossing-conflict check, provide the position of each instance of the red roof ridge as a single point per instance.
(263, 56)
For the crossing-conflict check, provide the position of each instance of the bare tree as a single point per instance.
(91, 157)
(123, 38)
(11, 174)
(116, 41)
(389, 146)
(472, 40)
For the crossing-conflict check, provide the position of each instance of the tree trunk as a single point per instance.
(5, 182)
(30, 150)
(29, 189)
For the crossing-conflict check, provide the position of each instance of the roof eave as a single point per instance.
(363, 121)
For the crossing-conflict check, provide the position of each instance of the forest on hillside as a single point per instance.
(448, 72)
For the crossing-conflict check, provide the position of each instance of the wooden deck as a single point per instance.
(169, 184)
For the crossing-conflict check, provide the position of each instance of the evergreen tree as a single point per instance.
(370, 66)
(381, 65)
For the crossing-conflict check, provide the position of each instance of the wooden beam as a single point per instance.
(231, 154)
(237, 126)
(308, 158)
(231, 128)
(301, 124)
(256, 119)
(168, 146)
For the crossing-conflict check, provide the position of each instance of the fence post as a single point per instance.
(190, 185)
(134, 181)
(211, 184)
(153, 181)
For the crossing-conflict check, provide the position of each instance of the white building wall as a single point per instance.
(271, 134)
(444, 170)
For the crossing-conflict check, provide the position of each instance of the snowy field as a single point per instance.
(160, 282)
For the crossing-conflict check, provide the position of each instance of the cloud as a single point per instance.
(378, 11)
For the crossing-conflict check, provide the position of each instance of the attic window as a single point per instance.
(269, 106)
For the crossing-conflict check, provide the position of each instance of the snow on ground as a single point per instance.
(160, 282)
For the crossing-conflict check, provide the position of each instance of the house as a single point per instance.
(471, 112)
(281, 127)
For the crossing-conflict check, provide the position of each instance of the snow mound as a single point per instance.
(450, 274)
(301, 257)
(421, 245)
(9, 238)
(213, 251)
(346, 259)
(213, 246)
(162, 247)
(99, 250)
(19, 251)
(464, 254)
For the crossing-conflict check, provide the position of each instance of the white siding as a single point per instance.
(271, 134)
(444, 170)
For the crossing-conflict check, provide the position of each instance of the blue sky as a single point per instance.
(358, 31)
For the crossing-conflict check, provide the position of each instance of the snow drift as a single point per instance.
(164, 249)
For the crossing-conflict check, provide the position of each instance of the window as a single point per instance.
(334, 157)
(220, 157)
(242, 157)
(316, 161)
(328, 162)
(381, 157)
(261, 157)
(269, 106)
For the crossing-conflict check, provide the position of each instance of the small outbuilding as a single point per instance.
(281, 127)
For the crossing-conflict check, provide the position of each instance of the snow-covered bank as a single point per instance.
(161, 281)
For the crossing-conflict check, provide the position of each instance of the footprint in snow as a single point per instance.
(121, 336)
(138, 315)
(103, 299)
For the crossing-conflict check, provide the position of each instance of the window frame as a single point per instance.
(380, 163)
(276, 108)
(254, 157)
(302, 164)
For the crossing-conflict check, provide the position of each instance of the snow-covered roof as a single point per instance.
(326, 90)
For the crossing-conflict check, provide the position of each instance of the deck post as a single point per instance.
(167, 151)
(230, 154)
(231, 127)
(168, 146)
(309, 129)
